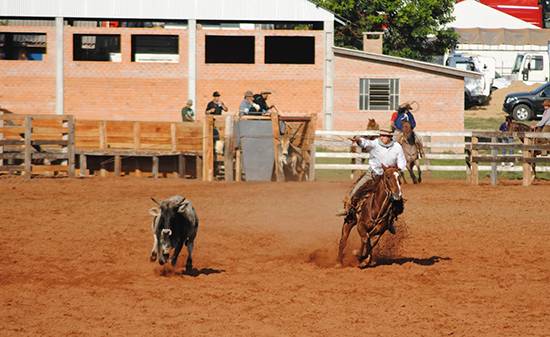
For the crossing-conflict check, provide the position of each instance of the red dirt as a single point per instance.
(475, 262)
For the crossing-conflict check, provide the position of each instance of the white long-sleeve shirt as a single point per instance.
(382, 154)
(545, 119)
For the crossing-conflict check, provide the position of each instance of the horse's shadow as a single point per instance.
(430, 261)
(203, 271)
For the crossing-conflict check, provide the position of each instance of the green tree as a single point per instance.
(412, 28)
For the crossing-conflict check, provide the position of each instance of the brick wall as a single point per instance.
(296, 88)
(440, 97)
(29, 86)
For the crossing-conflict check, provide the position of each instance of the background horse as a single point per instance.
(413, 150)
(377, 211)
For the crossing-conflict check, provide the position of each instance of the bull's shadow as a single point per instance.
(430, 261)
(203, 271)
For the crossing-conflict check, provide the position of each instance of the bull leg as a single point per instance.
(189, 262)
(153, 256)
(177, 251)
(346, 229)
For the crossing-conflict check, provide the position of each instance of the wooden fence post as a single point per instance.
(279, 174)
(28, 148)
(83, 165)
(71, 147)
(527, 168)
(474, 153)
(308, 146)
(102, 135)
(118, 165)
(136, 131)
(494, 153)
(155, 168)
(238, 170)
(208, 149)
(229, 149)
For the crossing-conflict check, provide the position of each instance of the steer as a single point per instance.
(175, 223)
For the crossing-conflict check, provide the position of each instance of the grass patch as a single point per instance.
(476, 123)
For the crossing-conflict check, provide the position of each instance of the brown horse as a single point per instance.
(413, 150)
(380, 202)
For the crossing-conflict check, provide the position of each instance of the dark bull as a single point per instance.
(175, 223)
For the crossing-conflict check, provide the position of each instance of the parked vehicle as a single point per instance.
(526, 106)
(476, 90)
(531, 67)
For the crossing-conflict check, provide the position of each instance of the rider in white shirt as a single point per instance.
(383, 151)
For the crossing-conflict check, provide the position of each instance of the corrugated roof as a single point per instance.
(219, 10)
(406, 62)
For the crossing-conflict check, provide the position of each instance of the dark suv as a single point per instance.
(525, 106)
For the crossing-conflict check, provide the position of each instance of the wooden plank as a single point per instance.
(102, 135)
(155, 167)
(229, 151)
(11, 142)
(279, 174)
(137, 135)
(494, 164)
(347, 167)
(346, 155)
(181, 166)
(527, 170)
(71, 147)
(50, 142)
(208, 149)
(28, 147)
(83, 166)
(10, 168)
(118, 165)
(173, 136)
(37, 169)
(238, 170)
(475, 169)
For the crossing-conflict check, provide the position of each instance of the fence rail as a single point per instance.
(471, 147)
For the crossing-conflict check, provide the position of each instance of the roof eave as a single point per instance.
(407, 62)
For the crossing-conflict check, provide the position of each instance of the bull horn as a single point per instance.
(156, 202)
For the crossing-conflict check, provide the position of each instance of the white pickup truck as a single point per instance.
(531, 67)
(476, 90)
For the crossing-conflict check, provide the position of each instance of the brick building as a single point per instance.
(137, 60)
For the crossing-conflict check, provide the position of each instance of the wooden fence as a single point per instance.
(32, 144)
(442, 146)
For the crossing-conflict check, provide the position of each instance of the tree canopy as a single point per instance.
(412, 28)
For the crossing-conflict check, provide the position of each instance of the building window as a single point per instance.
(229, 49)
(290, 50)
(378, 94)
(96, 48)
(155, 48)
(22, 46)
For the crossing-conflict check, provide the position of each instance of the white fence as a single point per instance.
(437, 146)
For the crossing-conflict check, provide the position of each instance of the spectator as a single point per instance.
(505, 127)
(215, 106)
(403, 113)
(261, 100)
(544, 124)
(248, 107)
(187, 113)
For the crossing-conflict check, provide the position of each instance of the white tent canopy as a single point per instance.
(473, 14)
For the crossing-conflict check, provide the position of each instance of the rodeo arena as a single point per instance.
(222, 168)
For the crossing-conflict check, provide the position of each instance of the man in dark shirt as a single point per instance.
(261, 100)
(215, 106)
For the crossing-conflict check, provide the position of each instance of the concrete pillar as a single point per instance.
(328, 81)
(59, 56)
(192, 61)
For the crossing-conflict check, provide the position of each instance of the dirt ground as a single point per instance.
(467, 261)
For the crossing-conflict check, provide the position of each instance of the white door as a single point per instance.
(536, 68)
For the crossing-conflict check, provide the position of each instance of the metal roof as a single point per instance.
(219, 10)
(425, 66)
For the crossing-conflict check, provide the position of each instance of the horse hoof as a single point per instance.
(363, 265)
(153, 257)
